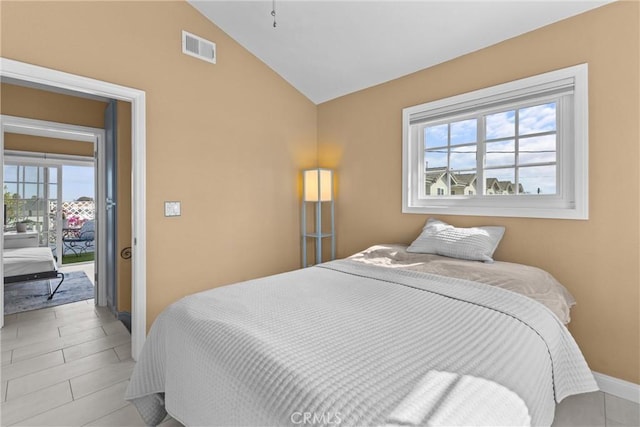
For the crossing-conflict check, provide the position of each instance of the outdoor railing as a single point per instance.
(34, 212)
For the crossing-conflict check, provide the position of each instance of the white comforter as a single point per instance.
(351, 344)
(23, 261)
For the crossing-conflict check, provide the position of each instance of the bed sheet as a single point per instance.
(24, 261)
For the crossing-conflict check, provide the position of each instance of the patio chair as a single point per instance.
(81, 240)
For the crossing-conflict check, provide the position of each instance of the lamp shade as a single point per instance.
(318, 185)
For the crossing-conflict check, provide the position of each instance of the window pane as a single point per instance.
(541, 118)
(10, 188)
(78, 181)
(500, 153)
(499, 181)
(30, 191)
(500, 125)
(463, 158)
(540, 149)
(53, 175)
(435, 159)
(53, 191)
(436, 136)
(436, 183)
(538, 180)
(464, 132)
(30, 174)
(10, 173)
(463, 183)
(521, 136)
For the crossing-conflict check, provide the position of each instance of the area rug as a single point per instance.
(25, 296)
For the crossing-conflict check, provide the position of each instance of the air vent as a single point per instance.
(197, 46)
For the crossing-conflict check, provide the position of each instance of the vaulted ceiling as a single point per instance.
(327, 49)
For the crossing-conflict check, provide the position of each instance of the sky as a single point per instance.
(78, 181)
(500, 134)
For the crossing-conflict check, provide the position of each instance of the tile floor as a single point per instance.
(69, 366)
(66, 366)
(597, 409)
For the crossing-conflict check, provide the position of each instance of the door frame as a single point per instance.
(47, 129)
(58, 80)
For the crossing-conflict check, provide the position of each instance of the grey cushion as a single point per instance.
(440, 238)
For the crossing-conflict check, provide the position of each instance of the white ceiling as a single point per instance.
(327, 49)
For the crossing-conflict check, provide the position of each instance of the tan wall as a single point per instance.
(361, 136)
(38, 144)
(38, 104)
(228, 140)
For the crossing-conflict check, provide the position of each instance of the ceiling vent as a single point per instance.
(197, 46)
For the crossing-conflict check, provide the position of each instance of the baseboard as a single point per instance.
(125, 318)
(617, 387)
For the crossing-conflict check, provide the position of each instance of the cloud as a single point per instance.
(77, 181)
(464, 132)
(500, 153)
(542, 177)
(532, 149)
(540, 118)
(500, 125)
(540, 149)
(436, 136)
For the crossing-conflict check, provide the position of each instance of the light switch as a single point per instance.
(171, 208)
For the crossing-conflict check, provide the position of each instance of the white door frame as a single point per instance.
(36, 75)
(42, 128)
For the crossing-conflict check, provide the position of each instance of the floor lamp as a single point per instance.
(317, 189)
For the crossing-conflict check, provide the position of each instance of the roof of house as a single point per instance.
(467, 179)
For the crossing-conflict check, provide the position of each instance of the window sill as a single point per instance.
(528, 212)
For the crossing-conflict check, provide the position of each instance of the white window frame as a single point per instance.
(569, 88)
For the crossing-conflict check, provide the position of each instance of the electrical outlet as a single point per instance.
(171, 208)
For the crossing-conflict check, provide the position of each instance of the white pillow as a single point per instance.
(440, 238)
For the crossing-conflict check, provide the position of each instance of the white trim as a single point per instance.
(49, 159)
(617, 387)
(101, 240)
(43, 128)
(52, 78)
(2, 234)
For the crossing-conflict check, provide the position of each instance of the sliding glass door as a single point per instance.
(30, 196)
(54, 199)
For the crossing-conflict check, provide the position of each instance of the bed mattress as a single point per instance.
(25, 261)
(366, 344)
(526, 280)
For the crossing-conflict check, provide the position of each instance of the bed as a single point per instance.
(29, 264)
(385, 337)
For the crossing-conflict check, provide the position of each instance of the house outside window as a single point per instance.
(517, 149)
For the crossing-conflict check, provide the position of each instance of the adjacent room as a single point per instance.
(307, 212)
(63, 222)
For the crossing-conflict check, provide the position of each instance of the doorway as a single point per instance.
(54, 196)
(35, 76)
(67, 226)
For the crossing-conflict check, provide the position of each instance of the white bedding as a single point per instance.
(22, 261)
(366, 344)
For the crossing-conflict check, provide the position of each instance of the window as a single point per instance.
(517, 149)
